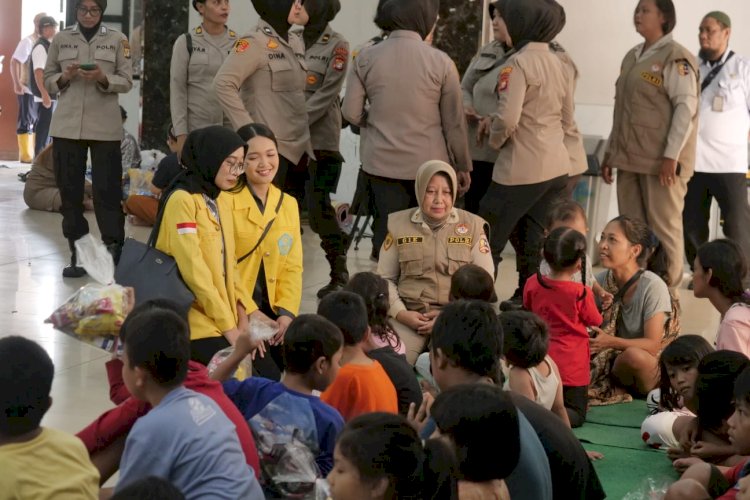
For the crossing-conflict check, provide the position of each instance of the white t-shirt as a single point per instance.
(22, 53)
(39, 59)
(724, 118)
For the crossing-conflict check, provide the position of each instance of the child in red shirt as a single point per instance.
(568, 307)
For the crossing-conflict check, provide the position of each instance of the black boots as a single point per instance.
(339, 275)
(73, 270)
(115, 249)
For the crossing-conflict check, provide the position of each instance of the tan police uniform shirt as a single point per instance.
(263, 80)
(415, 111)
(573, 139)
(418, 262)
(326, 61)
(86, 109)
(656, 109)
(192, 100)
(479, 86)
(535, 108)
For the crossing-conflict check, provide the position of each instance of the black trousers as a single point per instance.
(481, 178)
(106, 175)
(43, 122)
(27, 114)
(520, 212)
(730, 191)
(324, 174)
(390, 195)
(202, 350)
(291, 177)
(576, 399)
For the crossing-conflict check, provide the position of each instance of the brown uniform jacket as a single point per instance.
(656, 110)
(263, 80)
(86, 109)
(326, 61)
(573, 139)
(192, 100)
(535, 108)
(415, 111)
(418, 263)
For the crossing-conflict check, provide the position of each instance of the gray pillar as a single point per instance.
(165, 20)
(459, 30)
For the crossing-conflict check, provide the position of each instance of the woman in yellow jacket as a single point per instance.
(197, 231)
(268, 243)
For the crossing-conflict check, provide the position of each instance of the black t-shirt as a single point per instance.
(168, 168)
(573, 475)
(402, 376)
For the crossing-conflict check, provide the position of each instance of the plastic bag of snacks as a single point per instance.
(259, 329)
(95, 311)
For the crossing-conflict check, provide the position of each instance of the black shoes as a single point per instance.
(73, 270)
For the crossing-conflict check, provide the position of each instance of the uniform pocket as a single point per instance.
(67, 54)
(459, 254)
(106, 59)
(411, 259)
(197, 66)
(283, 78)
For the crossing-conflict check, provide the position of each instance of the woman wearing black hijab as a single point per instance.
(263, 81)
(535, 108)
(197, 231)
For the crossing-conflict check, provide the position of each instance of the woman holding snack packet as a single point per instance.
(268, 244)
(197, 231)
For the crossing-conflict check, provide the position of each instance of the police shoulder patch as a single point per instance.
(126, 49)
(388, 242)
(683, 68)
(241, 45)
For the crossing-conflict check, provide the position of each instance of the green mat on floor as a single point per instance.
(621, 437)
(619, 415)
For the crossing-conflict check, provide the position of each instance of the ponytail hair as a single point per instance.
(374, 291)
(726, 261)
(563, 247)
(653, 256)
(384, 446)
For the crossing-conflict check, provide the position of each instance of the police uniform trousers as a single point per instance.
(414, 343)
(481, 178)
(730, 191)
(519, 213)
(324, 173)
(106, 176)
(43, 122)
(27, 114)
(291, 177)
(641, 196)
(389, 196)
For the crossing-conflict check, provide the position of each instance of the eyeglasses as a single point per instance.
(235, 167)
(93, 12)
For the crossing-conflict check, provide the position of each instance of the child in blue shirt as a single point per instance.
(312, 352)
(186, 438)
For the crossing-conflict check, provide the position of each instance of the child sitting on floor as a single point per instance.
(185, 438)
(676, 394)
(35, 461)
(374, 291)
(532, 371)
(312, 351)
(362, 385)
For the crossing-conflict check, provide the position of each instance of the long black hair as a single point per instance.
(685, 350)
(726, 261)
(563, 248)
(374, 291)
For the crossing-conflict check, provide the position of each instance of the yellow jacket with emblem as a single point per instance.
(86, 109)
(192, 100)
(280, 251)
(204, 251)
(263, 81)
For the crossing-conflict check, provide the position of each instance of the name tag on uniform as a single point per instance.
(459, 240)
(408, 240)
(718, 104)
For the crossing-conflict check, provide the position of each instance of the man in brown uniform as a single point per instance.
(326, 57)
(263, 81)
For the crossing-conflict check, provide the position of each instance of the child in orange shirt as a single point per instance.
(362, 385)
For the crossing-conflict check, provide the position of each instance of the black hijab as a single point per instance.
(275, 13)
(531, 20)
(88, 33)
(411, 15)
(204, 151)
(321, 13)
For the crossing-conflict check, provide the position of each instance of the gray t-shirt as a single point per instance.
(651, 297)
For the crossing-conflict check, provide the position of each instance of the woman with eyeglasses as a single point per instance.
(88, 65)
(197, 231)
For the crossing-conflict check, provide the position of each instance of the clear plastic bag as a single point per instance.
(651, 489)
(243, 371)
(95, 311)
(261, 328)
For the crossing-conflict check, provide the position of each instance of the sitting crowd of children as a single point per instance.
(491, 418)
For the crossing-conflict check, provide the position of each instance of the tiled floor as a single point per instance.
(33, 252)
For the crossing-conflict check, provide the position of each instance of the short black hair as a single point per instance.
(308, 338)
(473, 282)
(346, 310)
(149, 305)
(666, 7)
(158, 340)
(742, 387)
(149, 488)
(526, 338)
(717, 373)
(565, 210)
(469, 334)
(480, 419)
(726, 260)
(26, 373)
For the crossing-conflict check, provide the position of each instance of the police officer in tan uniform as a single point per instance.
(196, 57)
(423, 248)
(263, 80)
(88, 65)
(653, 137)
(326, 58)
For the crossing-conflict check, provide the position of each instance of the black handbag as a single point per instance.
(152, 273)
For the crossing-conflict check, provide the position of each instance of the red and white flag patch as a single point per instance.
(187, 228)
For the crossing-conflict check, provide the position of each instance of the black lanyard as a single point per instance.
(715, 71)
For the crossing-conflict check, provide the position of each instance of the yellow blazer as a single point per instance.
(204, 251)
(280, 251)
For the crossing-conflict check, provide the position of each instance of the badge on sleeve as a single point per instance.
(338, 63)
(285, 244)
(484, 245)
(504, 79)
(241, 45)
(341, 51)
(187, 228)
(126, 49)
(388, 242)
(683, 69)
